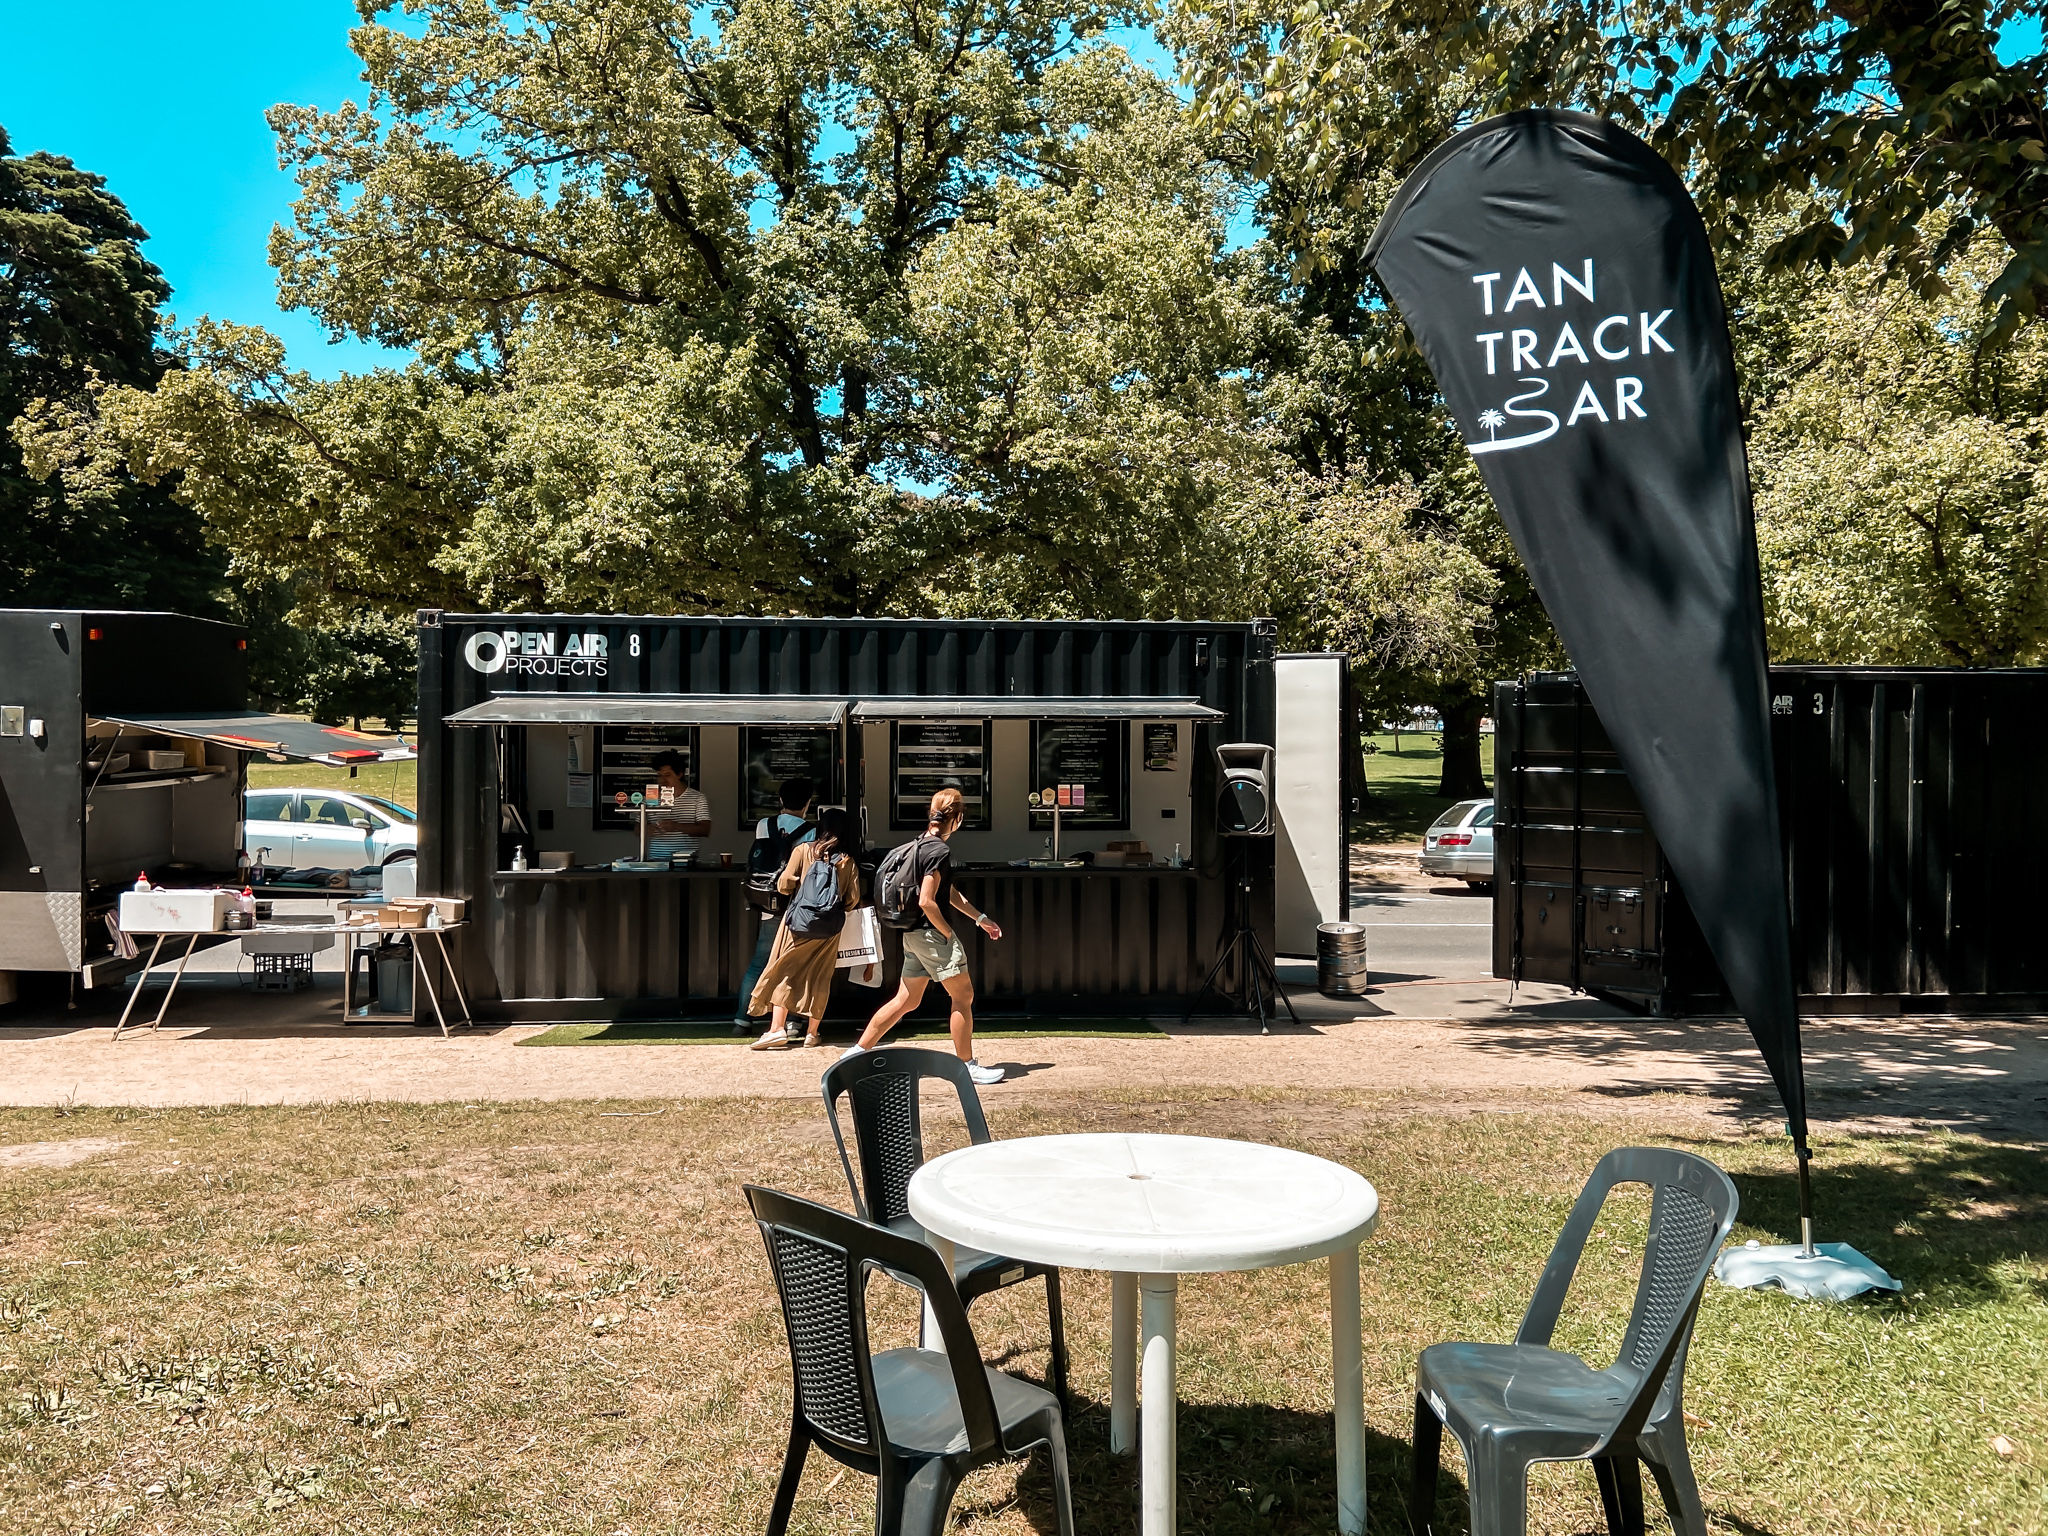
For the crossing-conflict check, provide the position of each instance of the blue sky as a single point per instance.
(171, 112)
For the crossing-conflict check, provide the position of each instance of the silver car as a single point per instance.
(1460, 843)
(325, 829)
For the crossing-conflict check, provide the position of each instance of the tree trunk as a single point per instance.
(1462, 778)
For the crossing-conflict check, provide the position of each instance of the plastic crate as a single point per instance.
(282, 973)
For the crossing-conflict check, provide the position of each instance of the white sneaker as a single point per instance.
(976, 1072)
(852, 1051)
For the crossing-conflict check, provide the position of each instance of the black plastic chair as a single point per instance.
(915, 1420)
(1513, 1404)
(881, 1089)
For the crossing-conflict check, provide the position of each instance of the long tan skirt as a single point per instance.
(798, 976)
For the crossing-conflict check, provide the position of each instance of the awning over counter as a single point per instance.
(279, 735)
(1019, 706)
(652, 709)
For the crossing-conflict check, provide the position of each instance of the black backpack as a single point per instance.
(896, 889)
(766, 861)
(815, 911)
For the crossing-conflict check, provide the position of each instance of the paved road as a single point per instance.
(1418, 935)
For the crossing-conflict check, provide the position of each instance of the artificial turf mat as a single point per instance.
(714, 1032)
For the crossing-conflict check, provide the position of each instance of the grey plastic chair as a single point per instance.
(915, 1420)
(888, 1131)
(1513, 1404)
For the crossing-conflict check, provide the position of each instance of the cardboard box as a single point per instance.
(407, 914)
(175, 911)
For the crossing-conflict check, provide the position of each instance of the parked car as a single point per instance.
(1460, 844)
(325, 829)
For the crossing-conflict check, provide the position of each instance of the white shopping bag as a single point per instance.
(860, 942)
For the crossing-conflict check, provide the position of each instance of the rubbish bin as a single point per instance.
(1341, 969)
(394, 976)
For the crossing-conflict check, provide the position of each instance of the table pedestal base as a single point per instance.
(1148, 1341)
(1158, 1447)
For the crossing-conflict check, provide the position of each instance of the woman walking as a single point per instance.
(798, 977)
(933, 948)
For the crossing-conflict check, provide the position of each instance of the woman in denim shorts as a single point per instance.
(933, 950)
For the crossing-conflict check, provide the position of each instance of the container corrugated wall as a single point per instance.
(1912, 814)
(1123, 941)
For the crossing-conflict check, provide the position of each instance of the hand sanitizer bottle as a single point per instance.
(142, 882)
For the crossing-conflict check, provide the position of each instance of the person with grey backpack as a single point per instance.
(822, 882)
(914, 893)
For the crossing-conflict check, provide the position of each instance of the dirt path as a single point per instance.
(1974, 1075)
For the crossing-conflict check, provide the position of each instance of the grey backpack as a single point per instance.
(815, 911)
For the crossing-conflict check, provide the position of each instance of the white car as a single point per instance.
(325, 829)
(1460, 843)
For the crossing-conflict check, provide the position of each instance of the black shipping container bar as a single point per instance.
(529, 726)
(1913, 822)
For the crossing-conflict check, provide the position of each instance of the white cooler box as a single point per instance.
(175, 911)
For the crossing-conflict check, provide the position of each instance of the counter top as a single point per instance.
(739, 871)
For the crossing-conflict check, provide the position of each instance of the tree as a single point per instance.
(1889, 127)
(1900, 453)
(794, 305)
(78, 304)
(1342, 381)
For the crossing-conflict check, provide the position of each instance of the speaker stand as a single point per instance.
(1256, 975)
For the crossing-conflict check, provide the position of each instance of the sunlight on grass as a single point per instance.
(397, 781)
(1401, 799)
(547, 1317)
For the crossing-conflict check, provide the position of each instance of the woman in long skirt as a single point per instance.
(798, 977)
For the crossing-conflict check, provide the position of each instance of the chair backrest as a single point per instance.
(888, 1133)
(1692, 1210)
(820, 1258)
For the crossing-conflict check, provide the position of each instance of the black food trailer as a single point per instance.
(537, 732)
(1912, 818)
(124, 745)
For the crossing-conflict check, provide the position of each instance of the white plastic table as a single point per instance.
(1149, 1209)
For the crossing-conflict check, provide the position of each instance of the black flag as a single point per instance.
(1559, 282)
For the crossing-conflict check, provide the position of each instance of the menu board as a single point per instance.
(926, 756)
(625, 764)
(1162, 747)
(1095, 754)
(770, 754)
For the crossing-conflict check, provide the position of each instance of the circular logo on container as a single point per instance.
(485, 650)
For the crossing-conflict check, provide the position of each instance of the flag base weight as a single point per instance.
(1831, 1272)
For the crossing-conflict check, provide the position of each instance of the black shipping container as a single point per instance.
(499, 695)
(1909, 824)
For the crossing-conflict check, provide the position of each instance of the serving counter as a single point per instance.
(598, 943)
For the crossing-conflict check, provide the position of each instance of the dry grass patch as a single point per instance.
(557, 1318)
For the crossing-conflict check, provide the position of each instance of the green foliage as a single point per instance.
(1901, 460)
(1889, 128)
(78, 304)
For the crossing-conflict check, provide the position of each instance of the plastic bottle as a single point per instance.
(1176, 856)
(142, 882)
(519, 858)
(247, 902)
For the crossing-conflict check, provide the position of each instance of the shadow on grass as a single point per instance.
(1243, 1470)
(1940, 1213)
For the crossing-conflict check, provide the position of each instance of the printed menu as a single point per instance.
(625, 765)
(771, 754)
(1092, 754)
(926, 756)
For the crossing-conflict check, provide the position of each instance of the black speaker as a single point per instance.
(1244, 805)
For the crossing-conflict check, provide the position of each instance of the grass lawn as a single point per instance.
(1401, 799)
(557, 1318)
(397, 781)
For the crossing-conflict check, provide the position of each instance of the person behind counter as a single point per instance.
(675, 836)
(798, 978)
(790, 826)
(933, 949)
